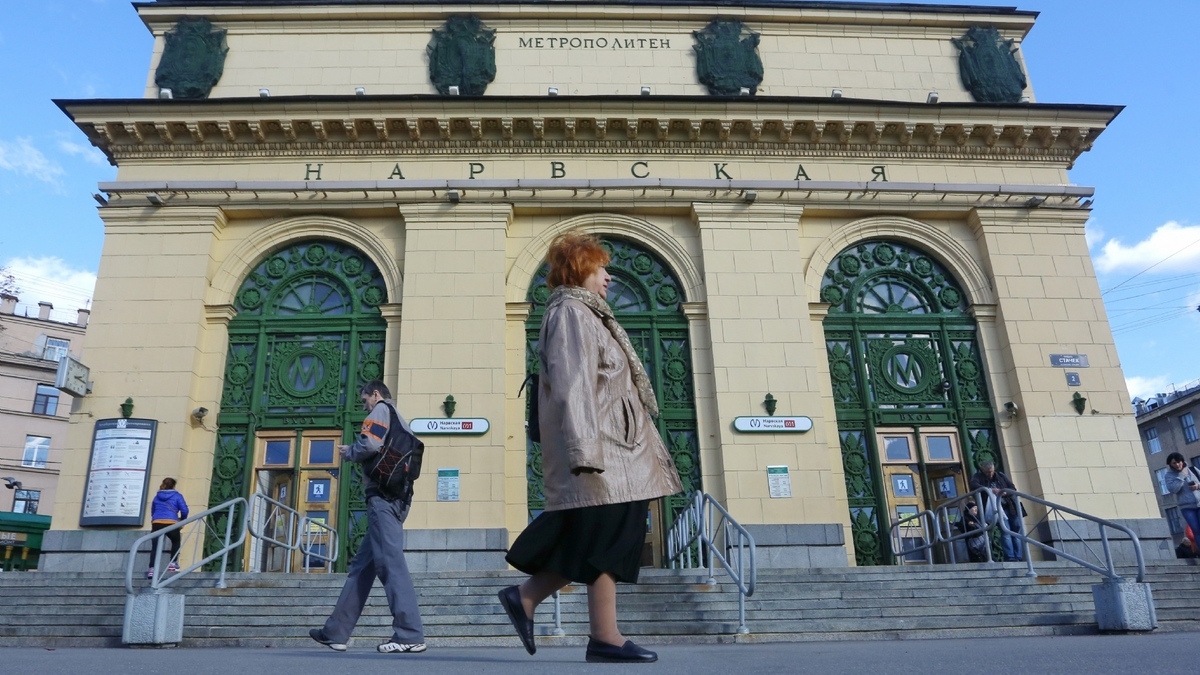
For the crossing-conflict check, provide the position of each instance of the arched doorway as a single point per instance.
(645, 296)
(308, 333)
(913, 411)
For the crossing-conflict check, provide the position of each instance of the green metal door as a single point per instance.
(902, 352)
(307, 335)
(646, 298)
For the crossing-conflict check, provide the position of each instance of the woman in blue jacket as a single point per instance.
(167, 509)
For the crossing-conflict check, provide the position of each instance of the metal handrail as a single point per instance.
(311, 536)
(289, 528)
(901, 530)
(161, 580)
(299, 531)
(1109, 570)
(942, 518)
(696, 524)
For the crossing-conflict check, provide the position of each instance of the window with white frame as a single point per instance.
(37, 450)
(1152, 441)
(56, 348)
(45, 401)
(1189, 428)
(1161, 475)
(26, 501)
(1174, 520)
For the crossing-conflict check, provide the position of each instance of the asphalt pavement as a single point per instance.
(1155, 653)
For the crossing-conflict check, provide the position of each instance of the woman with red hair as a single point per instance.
(602, 457)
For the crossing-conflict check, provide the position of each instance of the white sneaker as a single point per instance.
(172, 567)
(150, 573)
(391, 647)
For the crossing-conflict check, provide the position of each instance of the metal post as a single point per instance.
(228, 536)
(558, 629)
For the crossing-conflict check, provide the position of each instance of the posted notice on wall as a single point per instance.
(779, 481)
(118, 472)
(447, 488)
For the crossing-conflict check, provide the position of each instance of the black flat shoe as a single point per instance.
(510, 599)
(602, 652)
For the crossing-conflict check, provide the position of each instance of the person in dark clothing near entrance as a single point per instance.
(167, 509)
(970, 521)
(381, 553)
(1001, 488)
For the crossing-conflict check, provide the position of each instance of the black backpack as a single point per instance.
(398, 464)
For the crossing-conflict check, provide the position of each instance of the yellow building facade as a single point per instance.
(813, 207)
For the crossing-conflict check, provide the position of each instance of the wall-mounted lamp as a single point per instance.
(154, 199)
(944, 386)
(645, 91)
(1078, 402)
(836, 93)
(749, 196)
(448, 405)
(100, 199)
(454, 196)
(199, 414)
(769, 403)
(127, 408)
(453, 90)
(165, 92)
(552, 91)
(360, 91)
(1011, 409)
(265, 93)
(932, 97)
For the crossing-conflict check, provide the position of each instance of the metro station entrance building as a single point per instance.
(857, 214)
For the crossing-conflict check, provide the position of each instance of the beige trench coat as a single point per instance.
(591, 417)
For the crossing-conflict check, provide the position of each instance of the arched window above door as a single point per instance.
(882, 277)
(310, 279)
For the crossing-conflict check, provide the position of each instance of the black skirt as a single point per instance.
(581, 544)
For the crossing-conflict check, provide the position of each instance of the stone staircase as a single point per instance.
(260, 610)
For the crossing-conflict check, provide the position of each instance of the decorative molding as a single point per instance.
(679, 260)
(241, 261)
(973, 280)
(487, 128)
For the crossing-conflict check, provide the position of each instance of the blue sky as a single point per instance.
(1144, 232)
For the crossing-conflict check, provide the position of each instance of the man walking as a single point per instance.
(382, 551)
(1000, 487)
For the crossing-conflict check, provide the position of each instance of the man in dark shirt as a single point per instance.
(1000, 487)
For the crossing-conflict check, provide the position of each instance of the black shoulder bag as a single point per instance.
(532, 426)
(398, 464)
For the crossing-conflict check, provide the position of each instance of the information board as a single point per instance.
(447, 485)
(464, 426)
(118, 472)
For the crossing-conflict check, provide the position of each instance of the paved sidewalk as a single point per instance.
(1161, 653)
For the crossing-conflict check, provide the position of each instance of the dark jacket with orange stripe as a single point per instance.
(370, 438)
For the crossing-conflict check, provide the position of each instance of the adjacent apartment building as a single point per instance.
(1167, 423)
(33, 424)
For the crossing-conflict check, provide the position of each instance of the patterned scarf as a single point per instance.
(597, 304)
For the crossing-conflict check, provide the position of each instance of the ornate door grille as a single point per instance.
(307, 335)
(902, 351)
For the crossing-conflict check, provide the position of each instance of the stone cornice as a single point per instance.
(406, 126)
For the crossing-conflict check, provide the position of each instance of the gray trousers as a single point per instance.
(380, 555)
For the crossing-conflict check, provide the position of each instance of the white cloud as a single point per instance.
(87, 152)
(22, 157)
(1175, 246)
(52, 280)
(1093, 234)
(1146, 387)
